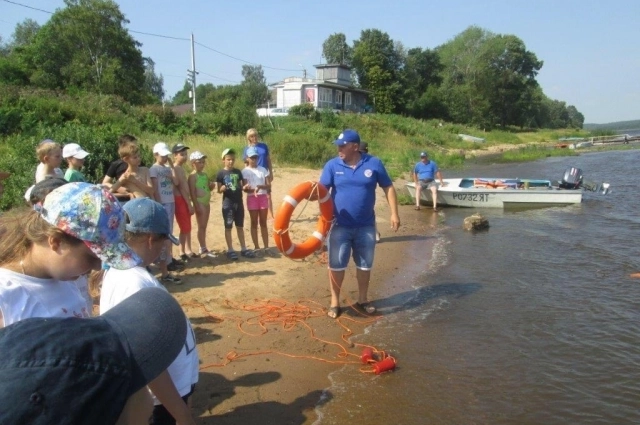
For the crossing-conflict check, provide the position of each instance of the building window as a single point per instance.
(325, 95)
(338, 97)
(347, 98)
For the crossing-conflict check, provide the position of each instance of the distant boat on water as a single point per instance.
(468, 138)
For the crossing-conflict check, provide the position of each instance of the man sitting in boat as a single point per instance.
(424, 174)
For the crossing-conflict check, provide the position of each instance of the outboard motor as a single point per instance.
(572, 178)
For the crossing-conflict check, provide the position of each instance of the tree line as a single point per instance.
(477, 78)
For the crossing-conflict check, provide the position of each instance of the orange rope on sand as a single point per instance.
(292, 317)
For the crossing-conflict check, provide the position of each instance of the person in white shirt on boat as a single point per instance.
(424, 173)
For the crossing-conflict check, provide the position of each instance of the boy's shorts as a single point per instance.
(182, 214)
(343, 241)
(170, 208)
(257, 202)
(233, 213)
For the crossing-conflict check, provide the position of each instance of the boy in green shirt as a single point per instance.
(75, 156)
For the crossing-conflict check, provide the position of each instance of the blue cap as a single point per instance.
(347, 136)
(148, 216)
(97, 363)
(252, 152)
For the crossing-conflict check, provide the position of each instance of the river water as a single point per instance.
(535, 321)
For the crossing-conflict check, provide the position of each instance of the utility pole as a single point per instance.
(192, 73)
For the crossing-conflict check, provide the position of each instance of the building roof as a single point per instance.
(332, 65)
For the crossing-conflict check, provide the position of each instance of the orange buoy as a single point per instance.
(387, 364)
(367, 355)
(281, 222)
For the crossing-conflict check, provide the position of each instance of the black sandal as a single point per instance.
(334, 312)
(365, 308)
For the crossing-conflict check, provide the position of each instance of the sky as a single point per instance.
(590, 48)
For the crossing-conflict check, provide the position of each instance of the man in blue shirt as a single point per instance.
(352, 177)
(424, 174)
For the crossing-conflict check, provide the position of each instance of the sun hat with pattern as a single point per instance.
(93, 215)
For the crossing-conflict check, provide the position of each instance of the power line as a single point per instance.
(219, 78)
(158, 35)
(29, 7)
(242, 60)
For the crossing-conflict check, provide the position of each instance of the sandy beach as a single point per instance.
(255, 319)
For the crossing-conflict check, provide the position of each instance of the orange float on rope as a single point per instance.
(283, 216)
(387, 364)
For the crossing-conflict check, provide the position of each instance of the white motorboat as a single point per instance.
(474, 192)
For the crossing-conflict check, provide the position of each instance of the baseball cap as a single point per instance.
(83, 370)
(161, 149)
(423, 154)
(179, 147)
(364, 147)
(252, 152)
(144, 215)
(347, 136)
(228, 151)
(93, 215)
(196, 155)
(74, 150)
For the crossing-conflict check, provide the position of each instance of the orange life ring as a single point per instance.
(283, 216)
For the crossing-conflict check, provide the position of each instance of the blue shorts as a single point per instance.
(343, 241)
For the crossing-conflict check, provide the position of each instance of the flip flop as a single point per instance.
(334, 312)
(365, 308)
(435, 210)
(416, 208)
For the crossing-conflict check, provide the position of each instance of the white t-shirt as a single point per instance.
(165, 184)
(23, 297)
(40, 173)
(118, 285)
(256, 176)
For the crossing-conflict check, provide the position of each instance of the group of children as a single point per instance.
(181, 194)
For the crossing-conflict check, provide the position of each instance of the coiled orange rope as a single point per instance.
(292, 317)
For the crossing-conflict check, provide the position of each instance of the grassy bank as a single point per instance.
(294, 141)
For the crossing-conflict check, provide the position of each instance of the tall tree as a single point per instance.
(24, 33)
(335, 50)
(460, 57)
(153, 83)
(576, 119)
(255, 84)
(86, 45)
(421, 74)
(377, 62)
(507, 72)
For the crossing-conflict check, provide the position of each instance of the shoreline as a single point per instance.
(267, 380)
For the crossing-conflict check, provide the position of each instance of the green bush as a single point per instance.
(305, 110)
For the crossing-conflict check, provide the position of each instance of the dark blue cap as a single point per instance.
(347, 136)
(83, 371)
